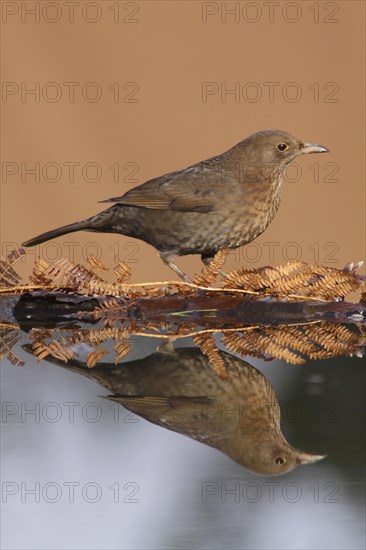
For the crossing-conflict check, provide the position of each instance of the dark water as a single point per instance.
(82, 472)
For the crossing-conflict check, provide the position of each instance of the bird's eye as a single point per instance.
(282, 147)
(280, 460)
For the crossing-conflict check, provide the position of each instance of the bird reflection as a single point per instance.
(179, 390)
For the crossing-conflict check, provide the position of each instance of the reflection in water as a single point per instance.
(205, 393)
(179, 390)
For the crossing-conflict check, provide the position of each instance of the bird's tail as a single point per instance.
(78, 226)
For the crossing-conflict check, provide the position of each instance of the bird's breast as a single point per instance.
(248, 215)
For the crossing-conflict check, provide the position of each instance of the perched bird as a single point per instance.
(225, 201)
(179, 390)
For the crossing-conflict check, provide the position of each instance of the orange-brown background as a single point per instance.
(169, 52)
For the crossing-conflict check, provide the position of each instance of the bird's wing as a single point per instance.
(188, 190)
(154, 408)
(185, 415)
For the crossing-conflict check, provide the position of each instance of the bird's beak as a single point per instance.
(313, 148)
(304, 458)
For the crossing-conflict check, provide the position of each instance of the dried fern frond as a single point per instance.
(332, 339)
(236, 342)
(38, 275)
(96, 263)
(63, 347)
(208, 346)
(40, 335)
(296, 280)
(334, 284)
(8, 338)
(156, 326)
(95, 356)
(268, 346)
(293, 344)
(8, 276)
(122, 271)
(292, 338)
(288, 268)
(261, 278)
(122, 348)
(57, 348)
(95, 337)
(66, 274)
(210, 273)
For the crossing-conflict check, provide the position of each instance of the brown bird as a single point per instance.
(179, 390)
(225, 201)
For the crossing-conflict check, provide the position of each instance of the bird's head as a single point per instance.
(272, 151)
(274, 457)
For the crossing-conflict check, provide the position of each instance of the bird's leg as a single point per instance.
(207, 259)
(167, 346)
(167, 258)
